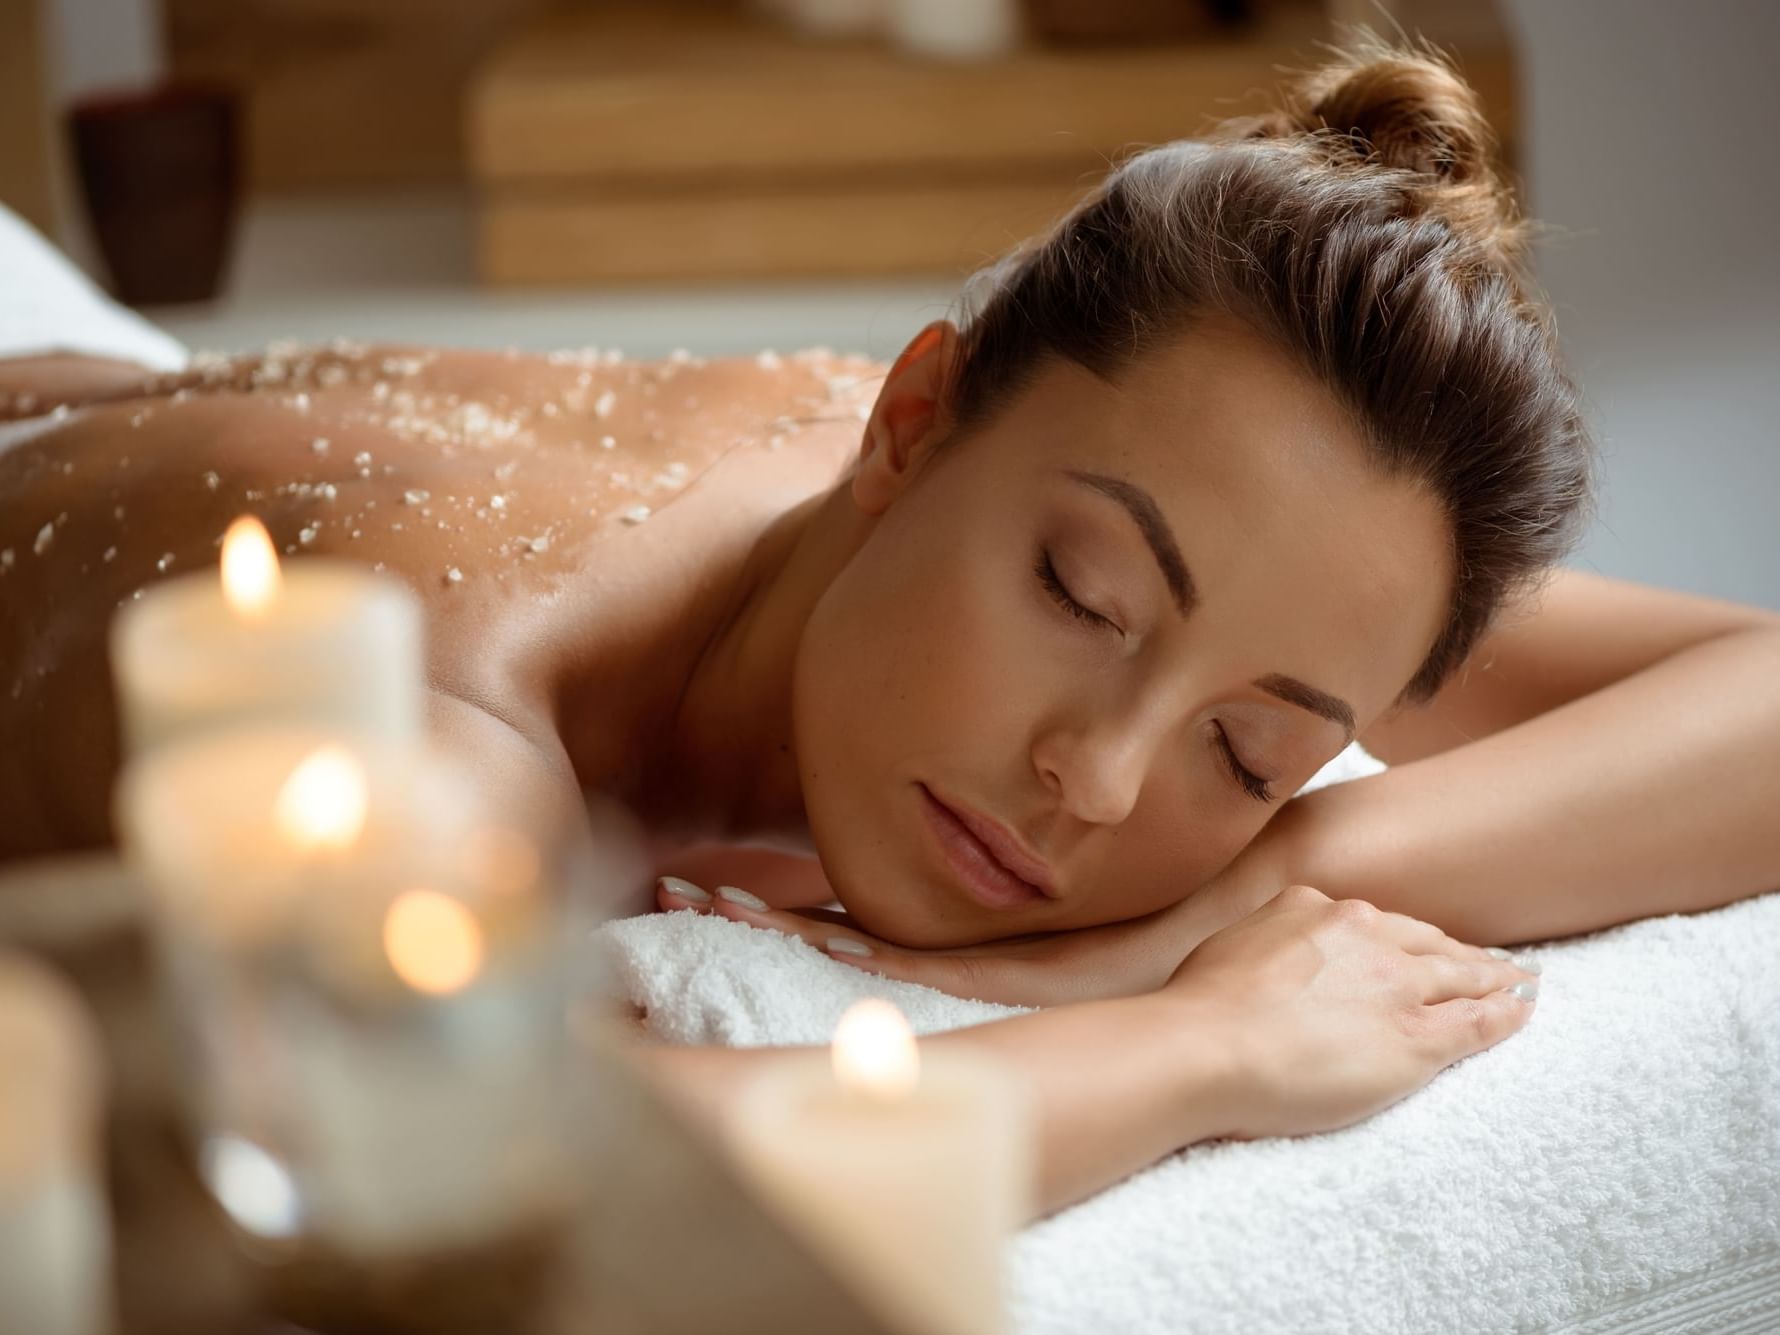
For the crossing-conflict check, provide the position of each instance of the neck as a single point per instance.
(710, 755)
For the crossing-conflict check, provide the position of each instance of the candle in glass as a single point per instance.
(905, 1175)
(325, 642)
(369, 977)
(55, 1233)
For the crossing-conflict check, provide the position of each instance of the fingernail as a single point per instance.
(674, 885)
(1498, 952)
(1526, 989)
(738, 896)
(1530, 964)
(846, 945)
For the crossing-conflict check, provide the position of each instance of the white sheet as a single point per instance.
(1615, 1163)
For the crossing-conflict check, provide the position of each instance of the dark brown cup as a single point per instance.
(160, 174)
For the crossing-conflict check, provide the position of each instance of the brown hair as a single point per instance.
(1359, 225)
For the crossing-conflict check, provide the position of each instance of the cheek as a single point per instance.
(908, 670)
(911, 659)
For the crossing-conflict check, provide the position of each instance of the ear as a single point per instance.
(909, 418)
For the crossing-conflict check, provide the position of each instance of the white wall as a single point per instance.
(1655, 149)
(98, 45)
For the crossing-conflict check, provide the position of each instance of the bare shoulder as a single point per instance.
(508, 491)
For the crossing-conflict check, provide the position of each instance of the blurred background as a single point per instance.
(727, 177)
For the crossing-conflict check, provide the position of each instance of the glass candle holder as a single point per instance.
(367, 974)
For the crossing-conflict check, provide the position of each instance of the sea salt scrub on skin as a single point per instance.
(321, 642)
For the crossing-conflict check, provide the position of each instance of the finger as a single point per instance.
(1445, 977)
(743, 906)
(1423, 938)
(1418, 937)
(676, 892)
(1466, 1025)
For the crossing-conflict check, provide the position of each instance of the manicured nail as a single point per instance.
(1526, 989)
(846, 945)
(742, 897)
(1530, 964)
(674, 885)
(1498, 952)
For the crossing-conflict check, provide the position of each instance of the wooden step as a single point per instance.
(673, 142)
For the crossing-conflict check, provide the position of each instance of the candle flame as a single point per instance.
(322, 804)
(250, 576)
(874, 1050)
(432, 941)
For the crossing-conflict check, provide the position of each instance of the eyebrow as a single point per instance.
(1142, 507)
(1306, 696)
(1147, 515)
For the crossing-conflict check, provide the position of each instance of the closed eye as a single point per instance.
(1047, 576)
(1253, 784)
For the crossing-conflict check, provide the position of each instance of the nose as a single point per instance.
(1096, 769)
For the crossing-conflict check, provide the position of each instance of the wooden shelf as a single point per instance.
(656, 141)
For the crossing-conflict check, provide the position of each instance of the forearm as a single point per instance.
(1116, 1085)
(30, 385)
(1655, 795)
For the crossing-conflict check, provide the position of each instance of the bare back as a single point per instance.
(518, 495)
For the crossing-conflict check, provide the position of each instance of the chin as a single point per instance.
(905, 908)
(880, 874)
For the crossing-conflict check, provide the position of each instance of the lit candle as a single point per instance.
(369, 974)
(326, 642)
(55, 1232)
(905, 1176)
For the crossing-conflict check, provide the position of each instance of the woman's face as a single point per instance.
(1085, 620)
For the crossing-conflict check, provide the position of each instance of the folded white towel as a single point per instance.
(1624, 1145)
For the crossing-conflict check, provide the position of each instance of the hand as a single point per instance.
(1338, 1009)
(1119, 959)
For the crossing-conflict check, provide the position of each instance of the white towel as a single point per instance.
(51, 306)
(48, 305)
(1624, 1145)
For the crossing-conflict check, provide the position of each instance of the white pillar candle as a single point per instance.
(906, 1176)
(368, 975)
(325, 642)
(55, 1231)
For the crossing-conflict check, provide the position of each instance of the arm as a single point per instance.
(520, 767)
(1620, 760)
(1116, 1084)
(30, 385)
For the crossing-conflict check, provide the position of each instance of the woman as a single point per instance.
(1028, 636)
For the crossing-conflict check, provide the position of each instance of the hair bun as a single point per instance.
(1399, 109)
(1405, 108)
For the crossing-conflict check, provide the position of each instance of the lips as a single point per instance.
(996, 873)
